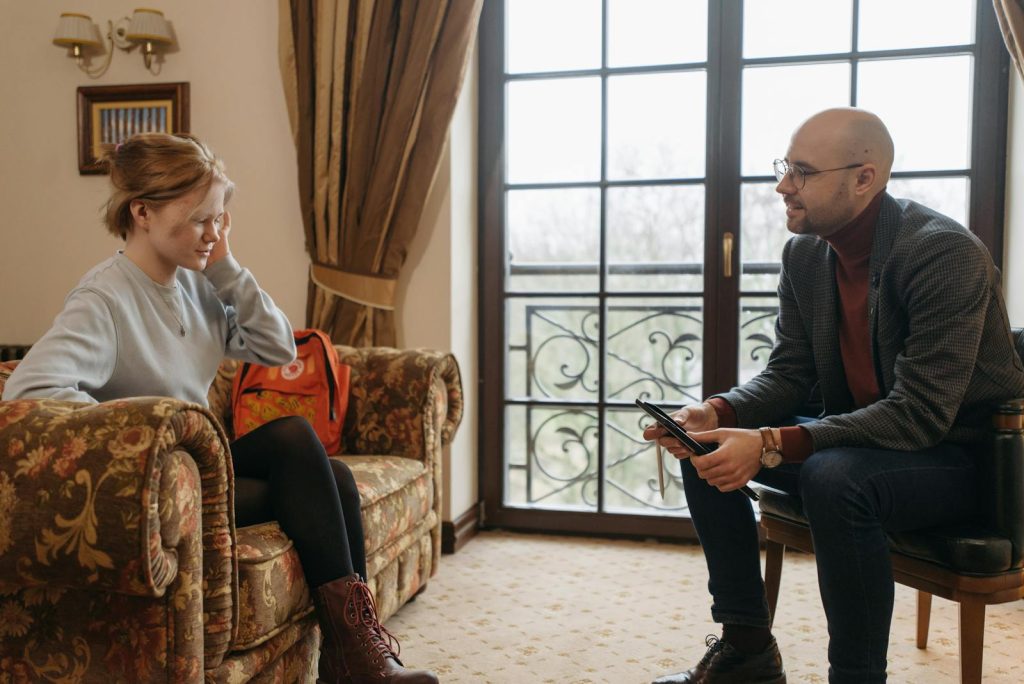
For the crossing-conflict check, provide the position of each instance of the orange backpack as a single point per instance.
(314, 386)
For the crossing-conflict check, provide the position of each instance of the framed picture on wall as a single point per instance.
(108, 115)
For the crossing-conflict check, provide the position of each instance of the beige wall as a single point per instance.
(437, 293)
(50, 220)
(227, 51)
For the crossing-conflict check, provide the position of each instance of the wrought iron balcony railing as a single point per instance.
(556, 396)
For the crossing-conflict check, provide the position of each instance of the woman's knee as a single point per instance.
(344, 477)
(292, 429)
(293, 441)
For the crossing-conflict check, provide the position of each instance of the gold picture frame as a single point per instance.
(108, 115)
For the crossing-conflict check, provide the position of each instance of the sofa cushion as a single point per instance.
(272, 593)
(290, 656)
(396, 494)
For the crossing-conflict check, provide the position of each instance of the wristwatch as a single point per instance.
(771, 453)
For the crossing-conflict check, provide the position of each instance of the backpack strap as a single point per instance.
(304, 336)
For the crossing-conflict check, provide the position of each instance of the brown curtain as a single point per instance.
(1010, 14)
(371, 86)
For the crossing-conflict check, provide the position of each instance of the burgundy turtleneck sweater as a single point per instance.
(852, 245)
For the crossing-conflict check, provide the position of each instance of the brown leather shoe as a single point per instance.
(723, 664)
(356, 648)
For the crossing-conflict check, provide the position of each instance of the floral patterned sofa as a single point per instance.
(119, 558)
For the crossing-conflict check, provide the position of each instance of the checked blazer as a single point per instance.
(941, 344)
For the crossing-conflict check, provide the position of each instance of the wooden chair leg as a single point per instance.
(924, 614)
(774, 553)
(972, 640)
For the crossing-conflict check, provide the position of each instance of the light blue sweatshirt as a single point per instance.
(121, 335)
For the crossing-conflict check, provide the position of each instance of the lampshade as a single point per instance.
(76, 29)
(149, 25)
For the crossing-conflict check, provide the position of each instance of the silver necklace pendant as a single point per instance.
(174, 314)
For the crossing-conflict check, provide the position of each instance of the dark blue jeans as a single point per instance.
(852, 497)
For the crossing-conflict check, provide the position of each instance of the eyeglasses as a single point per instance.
(799, 174)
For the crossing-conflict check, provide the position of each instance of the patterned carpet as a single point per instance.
(524, 609)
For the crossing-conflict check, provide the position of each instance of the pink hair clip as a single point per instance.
(117, 147)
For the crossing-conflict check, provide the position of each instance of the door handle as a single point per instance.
(727, 242)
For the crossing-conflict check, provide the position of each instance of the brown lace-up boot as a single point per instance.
(356, 648)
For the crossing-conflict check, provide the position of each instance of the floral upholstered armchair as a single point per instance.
(119, 558)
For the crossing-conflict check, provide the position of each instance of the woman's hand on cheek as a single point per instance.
(221, 248)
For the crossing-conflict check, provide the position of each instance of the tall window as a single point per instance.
(630, 230)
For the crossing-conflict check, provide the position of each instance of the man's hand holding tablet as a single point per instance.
(677, 431)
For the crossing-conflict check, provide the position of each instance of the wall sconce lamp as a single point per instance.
(145, 28)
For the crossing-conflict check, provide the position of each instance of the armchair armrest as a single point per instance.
(1002, 476)
(405, 402)
(100, 498)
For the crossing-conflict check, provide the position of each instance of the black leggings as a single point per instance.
(282, 473)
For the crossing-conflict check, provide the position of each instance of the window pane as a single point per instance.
(949, 196)
(552, 348)
(775, 28)
(631, 469)
(656, 125)
(656, 238)
(885, 24)
(757, 334)
(770, 114)
(762, 236)
(537, 30)
(554, 130)
(657, 32)
(654, 350)
(926, 104)
(553, 239)
(551, 457)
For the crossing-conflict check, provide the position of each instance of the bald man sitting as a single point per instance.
(893, 313)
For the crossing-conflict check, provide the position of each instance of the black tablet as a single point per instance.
(677, 431)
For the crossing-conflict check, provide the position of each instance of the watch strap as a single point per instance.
(768, 440)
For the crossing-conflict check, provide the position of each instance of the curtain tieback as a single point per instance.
(375, 291)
